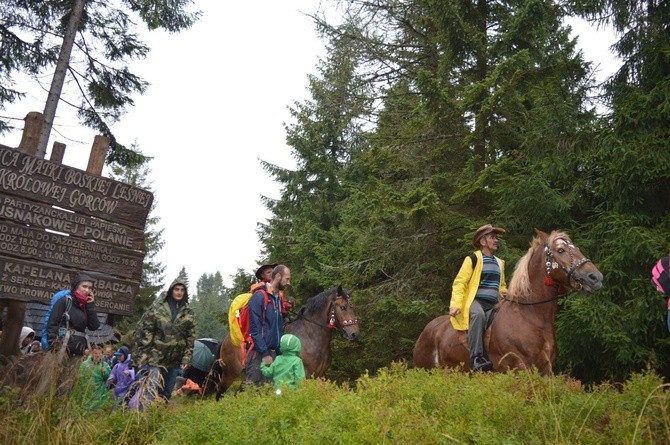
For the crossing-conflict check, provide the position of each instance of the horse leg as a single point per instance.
(11, 331)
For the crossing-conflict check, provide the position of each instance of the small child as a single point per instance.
(122, 375)
(287, 368)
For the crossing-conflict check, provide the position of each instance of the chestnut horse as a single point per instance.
(522, 335)
(314, 326)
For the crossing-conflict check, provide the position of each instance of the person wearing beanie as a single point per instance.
(164, 336)
(475, 292)
(71, 314)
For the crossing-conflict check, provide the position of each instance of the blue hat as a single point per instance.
(123, 350)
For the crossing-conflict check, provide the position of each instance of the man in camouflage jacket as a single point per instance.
(165, 334)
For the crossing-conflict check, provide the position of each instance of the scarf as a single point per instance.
(80, 298)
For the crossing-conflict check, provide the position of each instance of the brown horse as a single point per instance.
(314, 325)
(522, 335)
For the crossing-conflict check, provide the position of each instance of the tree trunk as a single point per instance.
(59, 76)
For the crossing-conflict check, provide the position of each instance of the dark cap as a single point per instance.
(123, 350)
(80, 278)
(261, 269)
(483, 231)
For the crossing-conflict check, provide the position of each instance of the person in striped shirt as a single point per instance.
(475, 292)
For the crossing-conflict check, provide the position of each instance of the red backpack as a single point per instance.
(238, 320)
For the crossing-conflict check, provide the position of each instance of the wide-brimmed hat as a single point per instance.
(483, 231)
(259, 272)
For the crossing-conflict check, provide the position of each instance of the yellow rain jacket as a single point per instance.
(465, 287)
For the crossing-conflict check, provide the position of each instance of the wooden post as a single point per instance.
(98, 155)
(31, 132)
(16, 309)
(57, 152)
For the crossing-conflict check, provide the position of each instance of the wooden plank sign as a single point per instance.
(37, 244)
(31, 281)
(70, 188)
(47, 217)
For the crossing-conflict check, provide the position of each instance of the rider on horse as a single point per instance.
(475, 292)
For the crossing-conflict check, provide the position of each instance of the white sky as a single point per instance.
(217, 103)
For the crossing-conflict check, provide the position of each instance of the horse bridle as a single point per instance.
(332, 319)
(552, 263)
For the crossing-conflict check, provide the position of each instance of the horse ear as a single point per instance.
(339, 290)
(541, 234)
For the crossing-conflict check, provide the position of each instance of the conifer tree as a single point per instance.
(103, 37)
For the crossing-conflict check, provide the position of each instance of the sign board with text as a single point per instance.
(56, 221)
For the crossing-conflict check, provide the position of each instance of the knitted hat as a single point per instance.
(79, 279)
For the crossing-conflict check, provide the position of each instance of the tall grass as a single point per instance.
(395, 406)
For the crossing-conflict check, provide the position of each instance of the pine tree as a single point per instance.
(466, 96)
(302, 232)
(210, 305)
(103, 38)
(152, 279)
(627, 184)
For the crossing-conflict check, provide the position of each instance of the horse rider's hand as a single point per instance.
(454, 311)
(267, 360)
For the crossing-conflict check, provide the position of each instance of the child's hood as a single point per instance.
(290, 344)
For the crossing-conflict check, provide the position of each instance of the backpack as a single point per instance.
(57, 296)
(660, 275)
(473, 258)
(238, 317)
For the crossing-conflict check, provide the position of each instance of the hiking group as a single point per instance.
(162, 348)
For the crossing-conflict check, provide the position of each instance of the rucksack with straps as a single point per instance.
(57, 296)
(473, 258)
(238, 320)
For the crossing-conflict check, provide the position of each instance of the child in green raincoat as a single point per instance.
(90, 391)
(287, 369)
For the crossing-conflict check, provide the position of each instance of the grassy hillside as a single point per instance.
(397, 406)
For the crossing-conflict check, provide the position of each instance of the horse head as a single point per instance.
(566, 266)
(342, 315)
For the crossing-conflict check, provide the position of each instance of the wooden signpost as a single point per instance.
(57, 221)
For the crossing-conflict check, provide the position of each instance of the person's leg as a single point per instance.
(252, 369)
(476, 329)
(478, 318)
(169, 380)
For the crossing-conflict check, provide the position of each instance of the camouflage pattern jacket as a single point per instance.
(160, 339)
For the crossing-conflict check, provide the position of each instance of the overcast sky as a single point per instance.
(217, 103)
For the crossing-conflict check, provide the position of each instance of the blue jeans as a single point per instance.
(169, 380)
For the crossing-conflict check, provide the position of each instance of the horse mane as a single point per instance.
(520, 283)
(318, 302)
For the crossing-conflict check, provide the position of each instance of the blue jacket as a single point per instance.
(265, 330)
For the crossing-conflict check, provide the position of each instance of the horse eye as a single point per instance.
(561, 250)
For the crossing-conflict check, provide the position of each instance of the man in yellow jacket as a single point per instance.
(475, 292)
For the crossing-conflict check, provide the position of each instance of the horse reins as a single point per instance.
(551, 263)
